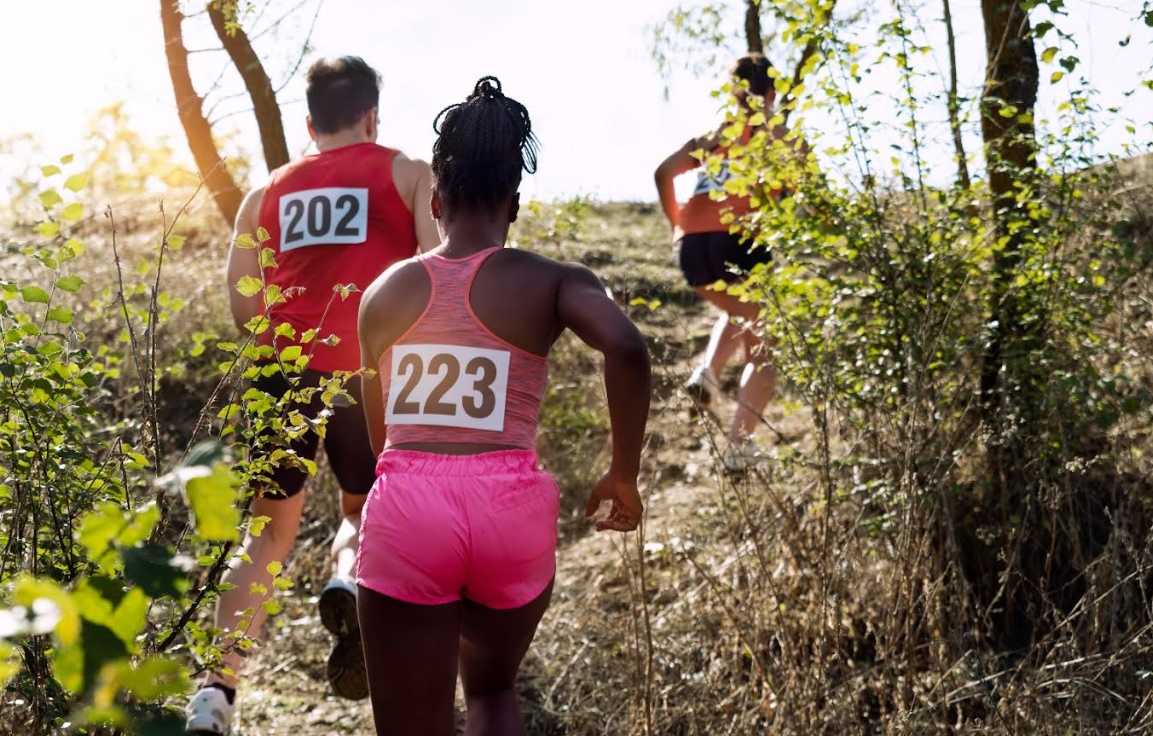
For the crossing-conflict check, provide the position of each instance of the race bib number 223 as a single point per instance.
(448, 386)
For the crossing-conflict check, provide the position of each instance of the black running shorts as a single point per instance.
(346, 441)
(706, 258)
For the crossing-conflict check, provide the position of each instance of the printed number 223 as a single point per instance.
(448, 385)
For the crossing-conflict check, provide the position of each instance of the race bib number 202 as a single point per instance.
(333, 215)
(448, 386)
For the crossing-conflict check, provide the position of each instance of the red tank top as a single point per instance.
(333, 218)
(450, 379)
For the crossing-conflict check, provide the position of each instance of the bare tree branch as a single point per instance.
(954, 118)
(785, 105)
(304, 48)
(257, 83)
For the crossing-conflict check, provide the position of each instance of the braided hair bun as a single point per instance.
(483, 144)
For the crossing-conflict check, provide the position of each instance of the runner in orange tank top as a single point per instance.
(457, 552)
(708, 252)
(339, 216)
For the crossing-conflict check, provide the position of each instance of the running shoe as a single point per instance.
(346, 671)
(208, 712)
(702, 386)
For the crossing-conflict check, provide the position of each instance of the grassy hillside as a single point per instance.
(796, 599)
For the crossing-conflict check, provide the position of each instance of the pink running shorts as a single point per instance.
(438, 528)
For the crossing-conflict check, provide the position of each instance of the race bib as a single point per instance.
(333, 215)
(707, 182)
(448, 386)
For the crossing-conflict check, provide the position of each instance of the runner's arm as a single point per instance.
(373, 399)
(585, 307)
(414, 178)
(245, 261)
(370, 388)
(677, 163)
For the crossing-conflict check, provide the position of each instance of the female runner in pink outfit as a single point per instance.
(458, 539)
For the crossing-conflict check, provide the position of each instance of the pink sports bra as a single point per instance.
(450, 379)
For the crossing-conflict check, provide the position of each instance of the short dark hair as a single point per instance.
(483, 144)
(754, 69)
(340, 91)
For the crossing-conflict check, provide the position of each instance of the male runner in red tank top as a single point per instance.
(336, 218)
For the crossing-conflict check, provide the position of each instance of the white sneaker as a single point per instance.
(208, 712)
(740, 457)
(702, 386)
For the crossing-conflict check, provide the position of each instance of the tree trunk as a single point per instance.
(213, 171)
(1011, 78)
(257, 83)
(785, 104)
(1010, 574)
(753, 37)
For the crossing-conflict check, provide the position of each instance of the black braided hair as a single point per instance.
(339, 92)
(482, 145)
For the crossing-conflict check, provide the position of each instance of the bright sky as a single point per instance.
(583, 69)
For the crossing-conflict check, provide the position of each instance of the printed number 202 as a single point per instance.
(446, 368)
(323, 216)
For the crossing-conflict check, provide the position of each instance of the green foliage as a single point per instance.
(894, 293)
(552, 223)
(105, 577)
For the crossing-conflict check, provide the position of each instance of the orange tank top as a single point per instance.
(705, 208)
(333, 218)
(450, 379)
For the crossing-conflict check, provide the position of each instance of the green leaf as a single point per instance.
(73, 212)
(244, 240)
(99, 529)
(267, 258)
(100, 646)
(66, 159)
(290, 353)
(262, 235)
(71, 284)
(50, 198)
(155, 678)
(1049, 54)
(10, 662)
(151, 567)
(48, 228)
(50, 170)
(130, 617)
(34, 295)
(175, 242)
(76, 182)
(63, 315)
(249, 286)
(72, 245)
(1056, 77)
(257, 524)
(212, 499)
